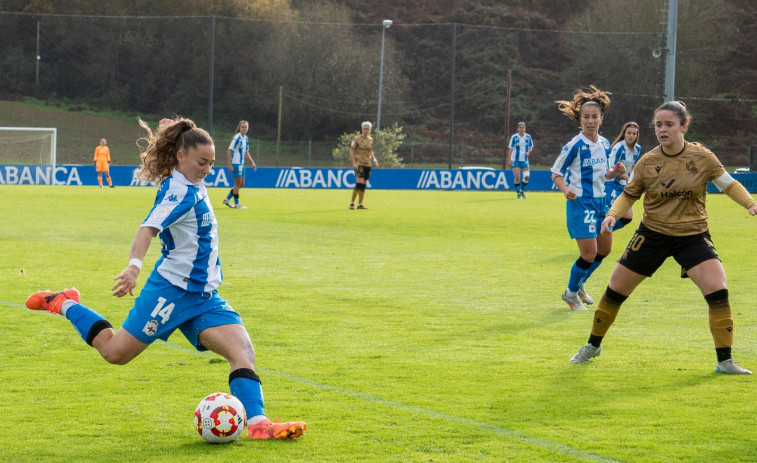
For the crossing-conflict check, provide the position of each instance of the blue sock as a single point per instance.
(597, 262)
(83, 319)
(231, 193)
(517, 187)
(577, 278)
(250, 393)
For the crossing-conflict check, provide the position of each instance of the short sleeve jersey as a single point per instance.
(188, 233)
(583, 165)
(674, 188)
(621, 152)
(363, 146)
(102, 154)
(520, 146)
(239, 145)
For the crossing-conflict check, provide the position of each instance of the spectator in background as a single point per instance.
(625, 149)
(519, 149)
(238, 149)
(102, 162)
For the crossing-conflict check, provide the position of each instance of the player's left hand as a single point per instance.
(753, 210)
(620, 168)
(127, 281)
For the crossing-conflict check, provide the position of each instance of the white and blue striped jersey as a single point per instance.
(583, 165)
(621, 152)
(188, 233)
(520, 146)
(240, 144)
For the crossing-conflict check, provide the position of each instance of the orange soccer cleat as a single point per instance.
(50, 301)
(267, 429)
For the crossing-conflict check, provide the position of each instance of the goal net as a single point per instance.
(28, 146)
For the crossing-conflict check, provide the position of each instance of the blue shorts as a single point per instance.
(162, 307)
(585, 215)
(237, 170)
(612, 191)
(520, 164)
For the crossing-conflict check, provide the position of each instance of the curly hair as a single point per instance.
(585, 97)
(680, 110)
(622, 134)
(158, 151)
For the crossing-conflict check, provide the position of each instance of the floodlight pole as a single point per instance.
(387, 23)
(670, 55)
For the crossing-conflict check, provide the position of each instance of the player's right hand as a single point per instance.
(127, 281)
(570, 195)
(607, 225)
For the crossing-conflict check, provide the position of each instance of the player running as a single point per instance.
(673, 179)
(580, 172)
(361, 155)
(238, 149)
(625, 149)
(181, 291)
(519, 149)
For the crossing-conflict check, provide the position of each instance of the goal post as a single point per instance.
(34, 146)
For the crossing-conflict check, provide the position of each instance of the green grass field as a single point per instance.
(426, 329)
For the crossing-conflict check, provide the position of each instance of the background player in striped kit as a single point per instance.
(238, 149)
(625, 150)
(673, 178)
(580, 172)
(181, 291)
(102, 162)
(519, 149)
(361, 155)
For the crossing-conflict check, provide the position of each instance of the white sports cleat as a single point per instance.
(730, 367)
(226, 202)
(573, 301)
(586, 353)
(584, 296)
(239, 206)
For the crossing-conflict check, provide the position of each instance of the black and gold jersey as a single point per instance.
(674, 188)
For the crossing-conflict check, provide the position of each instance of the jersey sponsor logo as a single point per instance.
(462, 180)
(207, 218)
(173, 198)
(681, 195)
(593, 161)
(669, 184)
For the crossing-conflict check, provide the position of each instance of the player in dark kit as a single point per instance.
(673, 178)
(361, 155)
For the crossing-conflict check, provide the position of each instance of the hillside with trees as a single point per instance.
(221, 61)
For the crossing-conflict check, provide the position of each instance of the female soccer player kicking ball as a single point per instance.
(181, 292)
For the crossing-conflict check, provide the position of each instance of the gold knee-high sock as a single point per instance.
(604, 316)
(721, 324)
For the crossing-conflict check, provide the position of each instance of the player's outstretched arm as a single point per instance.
(127, 279)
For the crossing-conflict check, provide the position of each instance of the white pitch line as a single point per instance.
(371, 398)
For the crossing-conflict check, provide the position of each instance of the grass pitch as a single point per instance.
(426, 329)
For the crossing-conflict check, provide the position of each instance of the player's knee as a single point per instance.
(116, 357)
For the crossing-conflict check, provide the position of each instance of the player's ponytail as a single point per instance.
(583, 98)
(158, 151)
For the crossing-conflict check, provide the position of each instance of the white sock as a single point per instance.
(255, 419)
(64, 307)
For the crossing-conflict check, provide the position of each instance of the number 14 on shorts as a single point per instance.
(162, 310)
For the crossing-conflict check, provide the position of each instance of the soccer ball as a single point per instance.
(220, 418)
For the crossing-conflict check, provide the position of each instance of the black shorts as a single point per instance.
(363, 172)
(648, 249)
